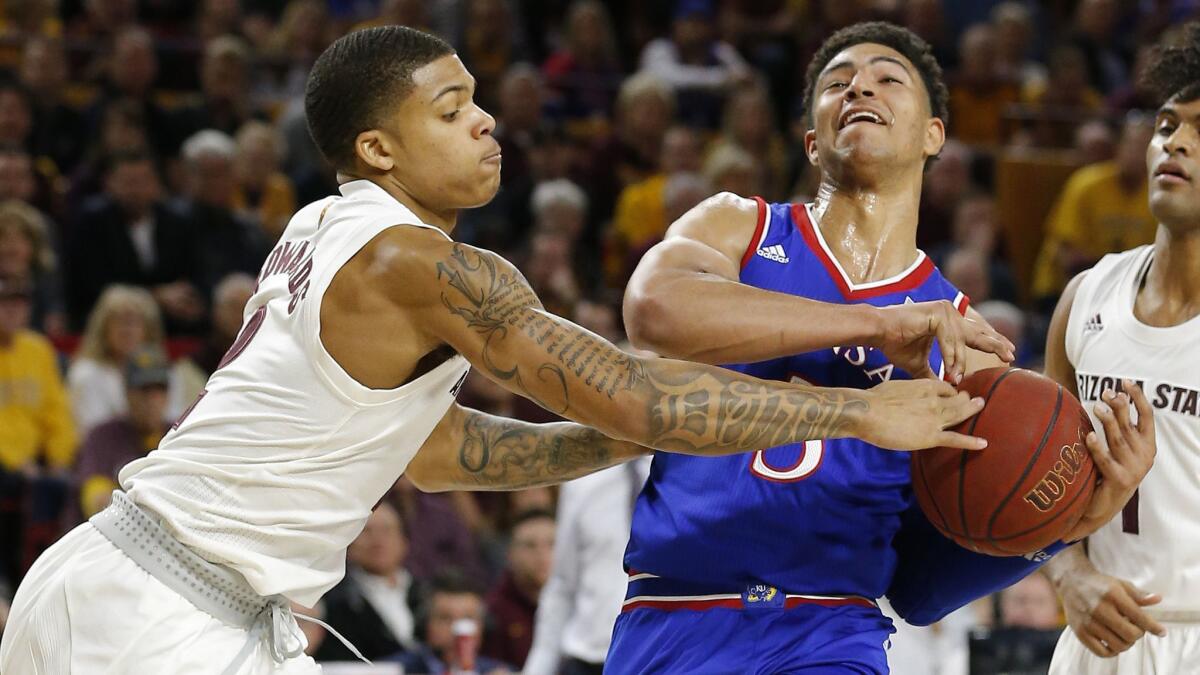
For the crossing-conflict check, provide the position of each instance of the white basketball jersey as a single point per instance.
(1155, 542)
(275, 468)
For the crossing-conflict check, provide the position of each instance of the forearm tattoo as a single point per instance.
(695, 409)
(505, 454)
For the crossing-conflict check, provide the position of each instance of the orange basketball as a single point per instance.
(1033, 481)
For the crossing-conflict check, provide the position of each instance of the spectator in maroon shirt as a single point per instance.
(113, 444)
(512, 604)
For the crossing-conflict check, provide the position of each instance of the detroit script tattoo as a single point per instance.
(681, 407)
(506, 454)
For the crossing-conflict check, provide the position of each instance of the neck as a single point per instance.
(444, 219)
(527, 588)
(1171, 294)
(872, 230)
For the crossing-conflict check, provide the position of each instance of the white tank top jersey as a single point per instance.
(1155, 541)
(275, 468)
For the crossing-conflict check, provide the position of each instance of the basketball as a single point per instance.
(1032, 482)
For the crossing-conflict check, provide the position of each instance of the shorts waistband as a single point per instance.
(218, 591)
(654, 592)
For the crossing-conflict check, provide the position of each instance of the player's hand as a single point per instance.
(909, 330)
(1123, 461)
(1105, 612)
(915, 414)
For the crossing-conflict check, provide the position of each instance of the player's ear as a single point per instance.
(810, 147)
(375, 148)
(935, 136)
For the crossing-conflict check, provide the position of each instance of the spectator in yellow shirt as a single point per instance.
(1103, 208)
(35, 419)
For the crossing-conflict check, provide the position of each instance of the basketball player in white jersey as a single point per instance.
(364, 322)
(1131, 324)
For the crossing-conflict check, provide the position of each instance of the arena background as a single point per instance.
(122, 117)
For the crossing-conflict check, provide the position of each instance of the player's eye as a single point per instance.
(889, 78)
(1166, 129)
(833, 85)
(450, 117)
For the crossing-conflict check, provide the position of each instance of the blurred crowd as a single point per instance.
(152, 151)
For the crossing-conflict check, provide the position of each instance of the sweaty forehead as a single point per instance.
(862, 54)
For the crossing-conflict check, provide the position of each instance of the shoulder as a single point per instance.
(34, 345)
(1093, 176)
(84, 368)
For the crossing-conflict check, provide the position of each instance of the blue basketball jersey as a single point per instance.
(816, 517)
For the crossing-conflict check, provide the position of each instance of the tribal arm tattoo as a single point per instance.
(500, 326)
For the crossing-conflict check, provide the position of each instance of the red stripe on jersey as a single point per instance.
(908, 282)
(827, 602)
(962, 304)
(758, 230)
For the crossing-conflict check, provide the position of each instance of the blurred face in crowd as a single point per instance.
(147, 406)
(16, 176)
(977, 51)
(692, 33)
(124, 333)
(44, 67)
(227, 310)
(751, 113)
(550, 251)
(440, 119)
(531, 552)
(588, 31)
(598, 318)
(562, 216)
(134, 64)
(444, 610)
(223, 77)
(213, 180)
(16, 250)
(110, 14)
(1131, 150)
(16, 119)
(1097, 18)
(381, 547)
(646, 116)
(1030, 603)
(871, 116)
(975, 224)
(521, 100)
(122, 132)
(681, 151)
(1173, 160)
(135, 186)
(1095, 143)
(1013, 31)
(967, 269)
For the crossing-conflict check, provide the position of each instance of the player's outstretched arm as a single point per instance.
(686, 300)
(480, 305)
(470, 450)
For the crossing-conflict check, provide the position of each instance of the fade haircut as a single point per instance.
(1174, 71)
(916, 50)
(360, 78)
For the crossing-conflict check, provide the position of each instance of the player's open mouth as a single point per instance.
(1171, 172)
(860, 115)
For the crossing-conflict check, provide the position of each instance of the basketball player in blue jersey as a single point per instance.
(771, 563)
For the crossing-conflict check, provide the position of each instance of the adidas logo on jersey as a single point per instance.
(774, 252)
(1093, 324)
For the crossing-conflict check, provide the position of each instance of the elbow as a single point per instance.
(649, 323)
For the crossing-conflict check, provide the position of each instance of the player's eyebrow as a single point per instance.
(449, 90)
(874, 59)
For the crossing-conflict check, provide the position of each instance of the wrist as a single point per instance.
(873, 322)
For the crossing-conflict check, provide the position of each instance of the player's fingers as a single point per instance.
(1115, 642)
(948, 342)
(1115, 620)
(1131, 606)
(1122, 408)
(1093, 644)
(953, 439)
(1103, 459)
(1145, 412)
(1114, 437)
(986, 339)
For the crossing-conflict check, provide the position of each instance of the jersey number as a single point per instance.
(235, 350)
(810, 459)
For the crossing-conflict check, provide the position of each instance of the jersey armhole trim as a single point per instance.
(760, 232)
(961, 303)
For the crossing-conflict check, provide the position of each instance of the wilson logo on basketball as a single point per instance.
(1054, 484)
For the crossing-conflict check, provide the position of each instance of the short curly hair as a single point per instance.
(1174, 71)
(916, 50)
